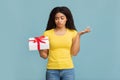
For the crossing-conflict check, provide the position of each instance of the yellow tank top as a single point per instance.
(59, 53)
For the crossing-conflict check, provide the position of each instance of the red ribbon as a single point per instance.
(38, 40)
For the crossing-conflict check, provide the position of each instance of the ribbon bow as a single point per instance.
(38, 40)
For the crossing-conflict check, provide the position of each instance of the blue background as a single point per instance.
(99, 58)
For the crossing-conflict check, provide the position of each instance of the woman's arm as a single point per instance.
(76, 42)
(75, 45)
(43, 53)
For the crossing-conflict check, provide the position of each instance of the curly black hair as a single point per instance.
(51, 21)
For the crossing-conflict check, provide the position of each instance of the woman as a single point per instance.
(64, 43)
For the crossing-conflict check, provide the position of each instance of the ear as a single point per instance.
(66, 19)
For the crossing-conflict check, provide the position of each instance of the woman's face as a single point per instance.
(60, 20)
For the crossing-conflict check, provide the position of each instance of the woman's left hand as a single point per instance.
(87, 30)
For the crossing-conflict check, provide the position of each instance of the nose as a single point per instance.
(59, 20)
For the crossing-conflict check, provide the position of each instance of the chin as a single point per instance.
(59, 26)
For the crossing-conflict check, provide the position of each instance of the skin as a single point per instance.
(60, 21)
(76, 42)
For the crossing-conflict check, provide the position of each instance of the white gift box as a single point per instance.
(38, 43)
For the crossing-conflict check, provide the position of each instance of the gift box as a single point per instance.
(38, 43)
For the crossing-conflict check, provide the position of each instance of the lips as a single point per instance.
(59, 24)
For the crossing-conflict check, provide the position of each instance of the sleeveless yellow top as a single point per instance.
(59, 53)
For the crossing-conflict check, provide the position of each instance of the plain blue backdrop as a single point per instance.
(99, 57)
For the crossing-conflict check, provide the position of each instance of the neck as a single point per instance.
(60, 31)
(60, 28)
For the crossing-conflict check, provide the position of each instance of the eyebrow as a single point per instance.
(60, 16)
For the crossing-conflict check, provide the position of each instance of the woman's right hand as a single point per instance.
(44, 53)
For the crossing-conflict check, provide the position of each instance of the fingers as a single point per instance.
(87, 29)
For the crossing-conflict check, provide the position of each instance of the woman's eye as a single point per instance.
(62, 18)
(56, 18)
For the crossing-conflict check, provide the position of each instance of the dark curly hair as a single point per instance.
(51, 21)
